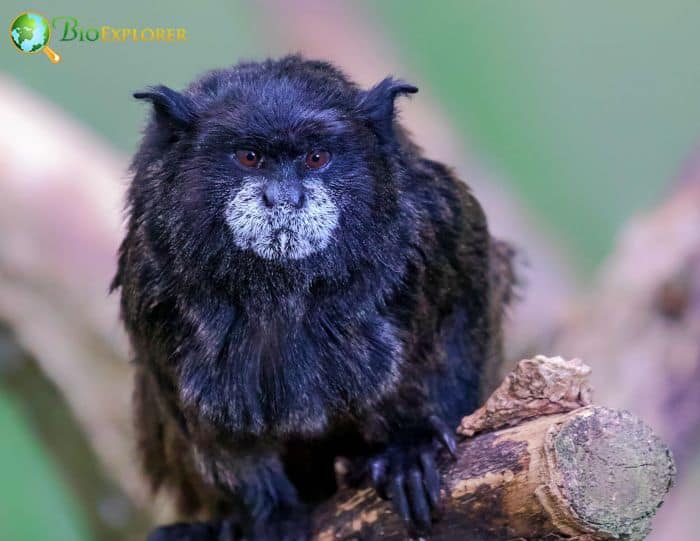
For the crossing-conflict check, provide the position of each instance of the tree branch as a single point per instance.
(594, 471)
(572, 470)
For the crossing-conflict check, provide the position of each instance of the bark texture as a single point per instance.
(539, 386)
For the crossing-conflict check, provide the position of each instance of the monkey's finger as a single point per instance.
(397, 493)
(431, 478)
(419, 504)
(378, 468)
(444, 434)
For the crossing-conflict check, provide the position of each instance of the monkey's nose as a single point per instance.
(273, 194)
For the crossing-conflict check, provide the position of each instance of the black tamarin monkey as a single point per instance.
(299, 284)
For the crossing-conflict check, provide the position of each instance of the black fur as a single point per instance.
(254, 374)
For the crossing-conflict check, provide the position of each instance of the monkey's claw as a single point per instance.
(408, 476)
(444, 434)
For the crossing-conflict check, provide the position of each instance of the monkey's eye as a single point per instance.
(248, 158)
(317, 159)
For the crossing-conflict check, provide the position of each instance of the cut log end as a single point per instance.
(608, 471)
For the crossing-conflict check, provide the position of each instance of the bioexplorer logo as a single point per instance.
(30, 33)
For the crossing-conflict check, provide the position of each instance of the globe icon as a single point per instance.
(30, 33)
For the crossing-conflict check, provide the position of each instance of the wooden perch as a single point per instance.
(592, 473)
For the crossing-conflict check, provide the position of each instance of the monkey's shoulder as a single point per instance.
(453, 239)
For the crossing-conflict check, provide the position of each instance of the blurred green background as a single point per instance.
(586, 110)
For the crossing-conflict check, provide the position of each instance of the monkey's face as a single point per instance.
(290, 179)
(283, 162)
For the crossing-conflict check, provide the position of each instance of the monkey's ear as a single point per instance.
(171, 108)
(377, 104)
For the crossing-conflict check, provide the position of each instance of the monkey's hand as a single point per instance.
(407, 475)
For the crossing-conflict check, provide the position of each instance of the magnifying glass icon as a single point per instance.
(30, 33)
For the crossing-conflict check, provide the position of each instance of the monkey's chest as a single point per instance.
(286, 379)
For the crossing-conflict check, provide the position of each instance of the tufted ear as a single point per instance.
(377, 104)
(171, 108)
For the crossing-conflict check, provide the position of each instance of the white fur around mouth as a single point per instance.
(283, 231)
